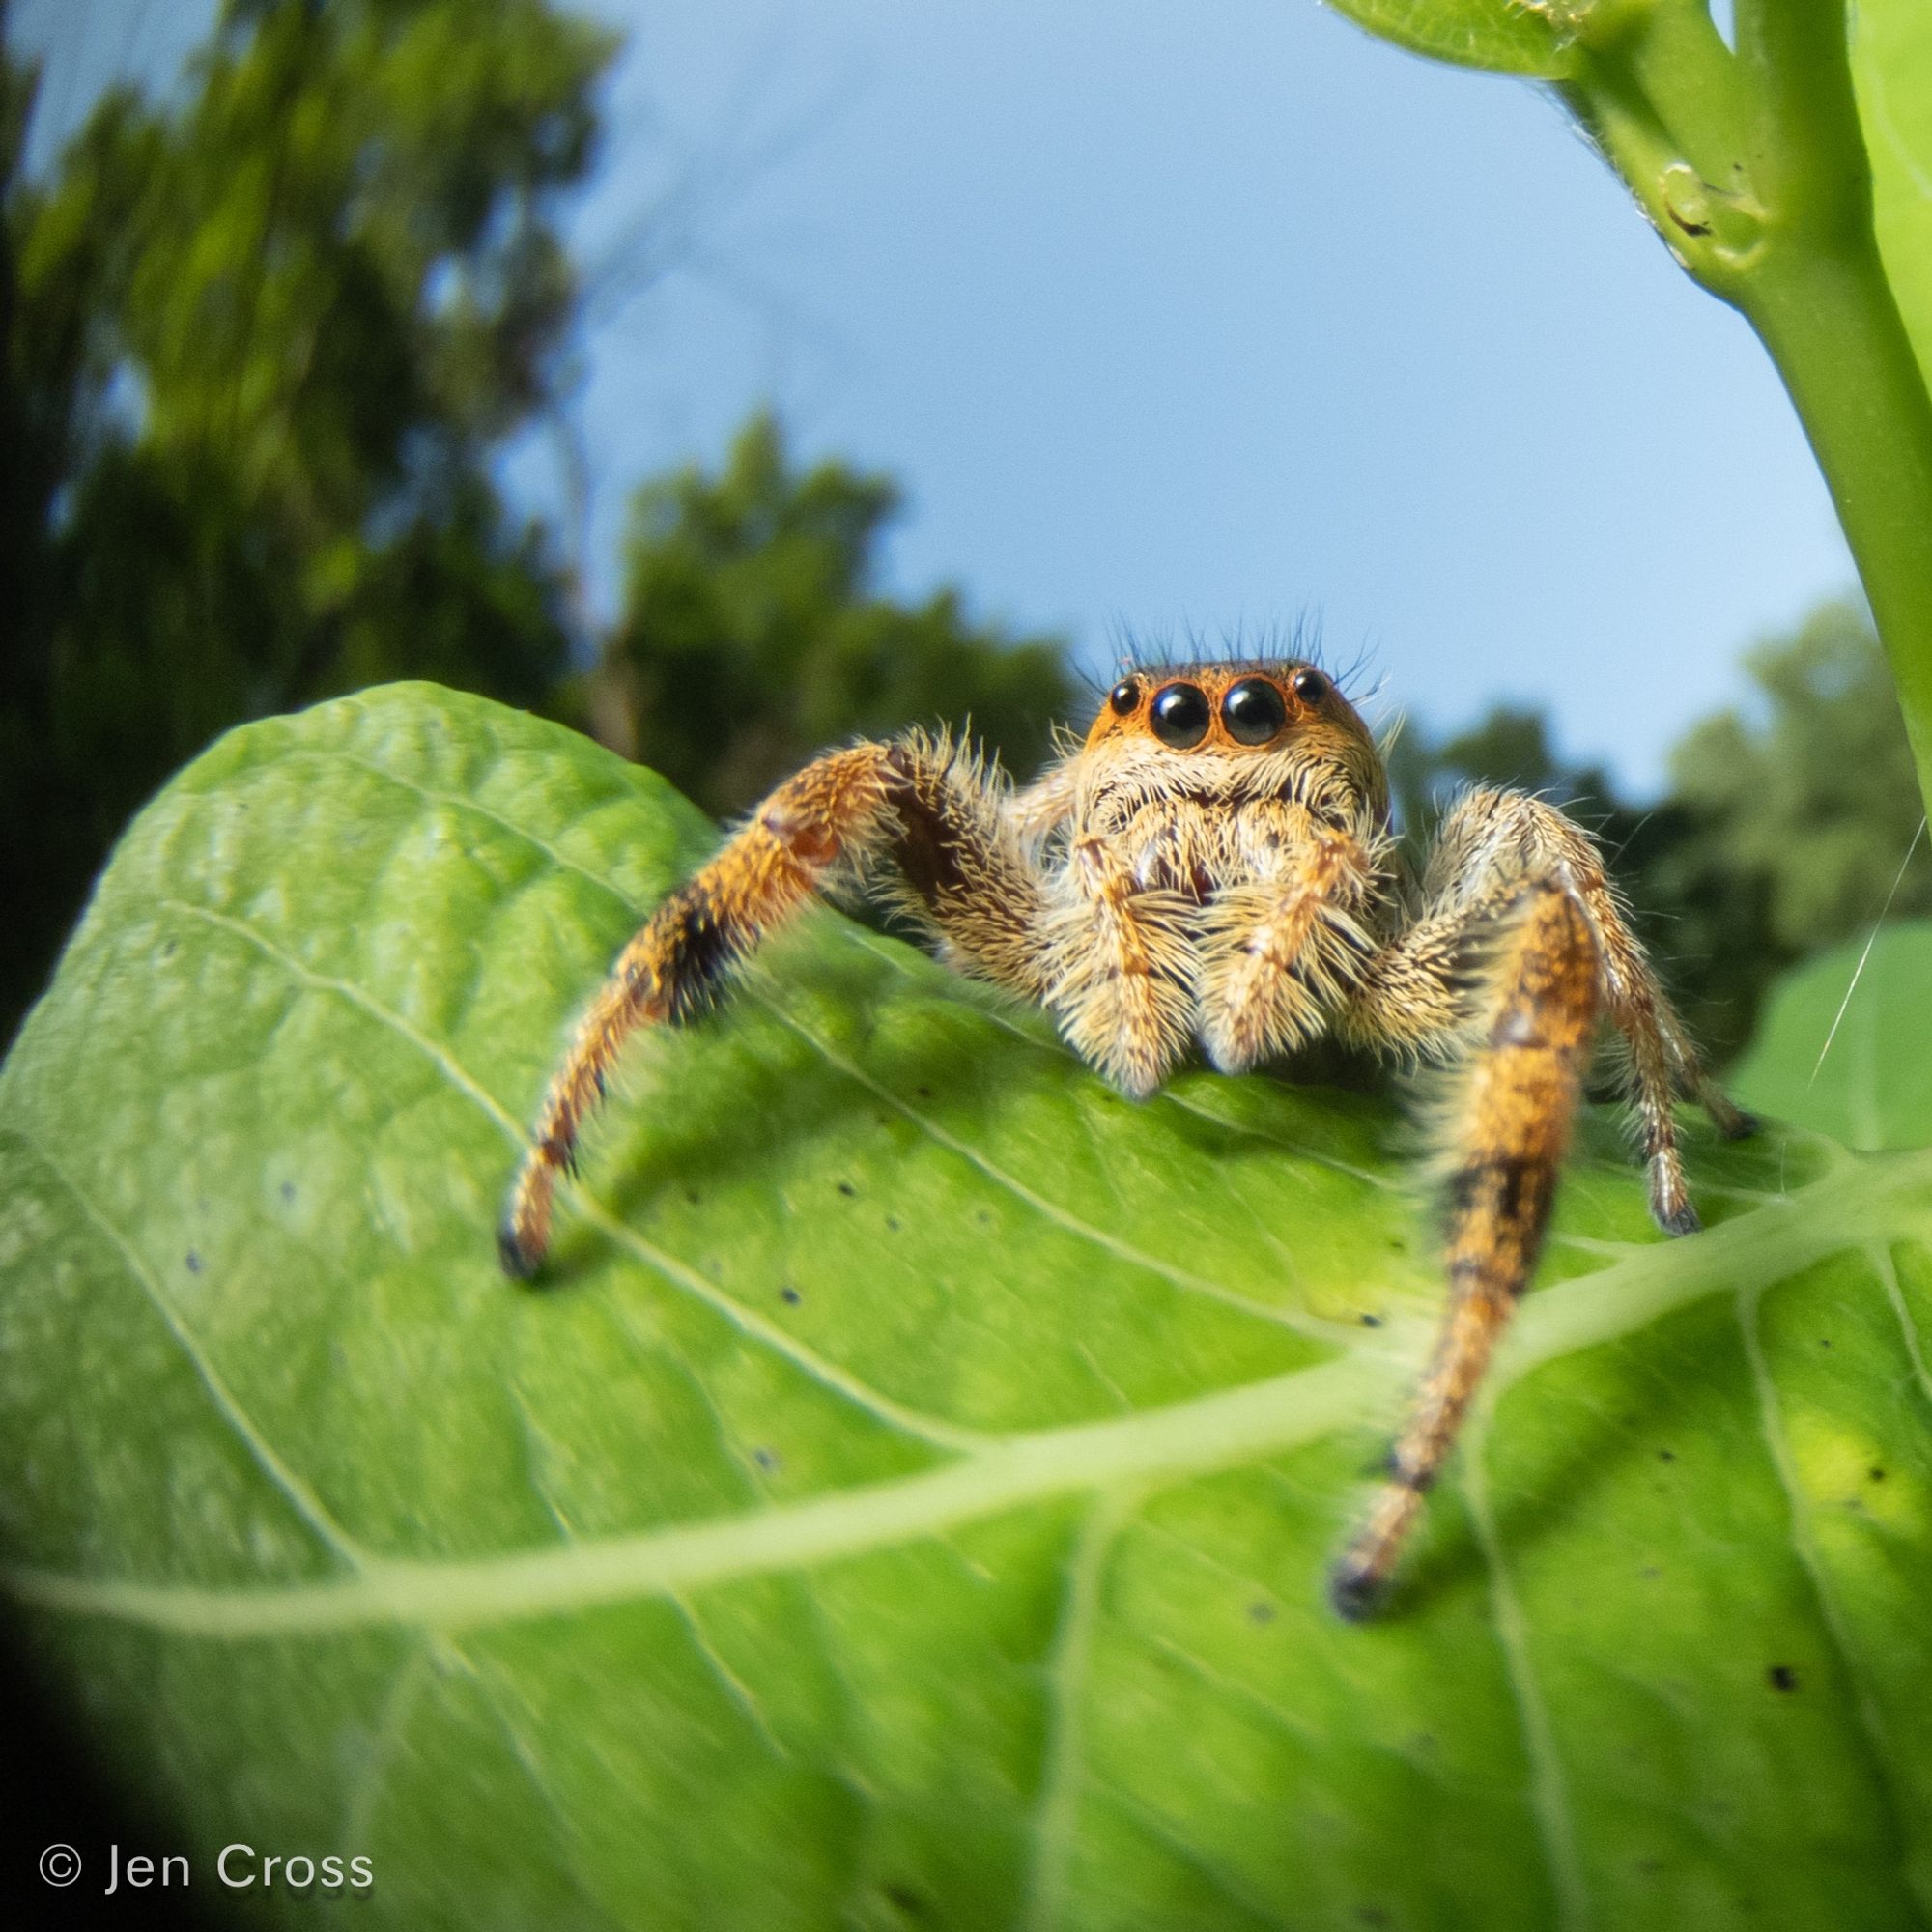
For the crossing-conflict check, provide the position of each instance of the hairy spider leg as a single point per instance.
(1491, 843)
(925, 806)
(1511, 1129)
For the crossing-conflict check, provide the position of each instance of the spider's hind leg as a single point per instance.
(1490, 843)
(1511, 1129)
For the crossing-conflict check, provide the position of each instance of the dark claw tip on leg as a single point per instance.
(1684, 1222)
(517, 1263)
(1742, 1127)
(1356, 1593)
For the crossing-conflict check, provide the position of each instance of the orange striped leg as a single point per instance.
(1510, 1133)
(924, 805)
(670, 971)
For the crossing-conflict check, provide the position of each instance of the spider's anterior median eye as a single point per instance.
(1253, 711)
(1181, 716)
(1310, 685)
(1123, 696)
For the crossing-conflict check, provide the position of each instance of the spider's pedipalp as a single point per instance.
(1279, 956)
(925, 806)
(1511, 1129)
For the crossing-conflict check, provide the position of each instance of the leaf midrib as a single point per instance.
(1871, 1198)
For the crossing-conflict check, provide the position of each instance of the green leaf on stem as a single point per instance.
(1891, 70)
(1844, 1048)
(1503, 36)
(907, 1504)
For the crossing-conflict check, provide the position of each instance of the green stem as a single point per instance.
(1754, 171)
(1835, 332)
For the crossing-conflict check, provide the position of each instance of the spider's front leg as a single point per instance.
(925, 806)
(1511, 1127)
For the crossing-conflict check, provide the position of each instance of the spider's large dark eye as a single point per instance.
(1181, 716)
(1123, 696)
(1310, 685)
(1253, 711)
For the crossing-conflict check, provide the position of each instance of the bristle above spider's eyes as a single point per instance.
(1253, 711)
(1125, 695)
(1181, 716)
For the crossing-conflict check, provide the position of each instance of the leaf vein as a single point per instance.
(303, 1499)
(749, 1323)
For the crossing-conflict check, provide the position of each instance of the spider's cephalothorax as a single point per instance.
(1213, 865)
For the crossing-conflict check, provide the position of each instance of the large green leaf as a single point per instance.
(1892, 68)
(1845, 1048)
(908, 1506)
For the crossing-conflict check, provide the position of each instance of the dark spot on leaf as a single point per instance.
(983, 1218)
(903, 1899)
(1666, 1455)
(892, 1224)
(1781, 1677)
(691, 1195)
(789, 1293)
(846, 1187)
(288, 1190)
(1651, 1572)
(193, 1262)
(1371, 1914)
(1372, 1321)
(168, 950)
(1823, 1341)
(766, 1459)
(1261, 1611)
(923, 1092)
(1877, 1475)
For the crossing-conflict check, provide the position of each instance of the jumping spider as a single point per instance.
(1213, 864)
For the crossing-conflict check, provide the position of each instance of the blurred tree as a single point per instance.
(1798, 814)
(1510, 747)
(260, 346)
(752, 635)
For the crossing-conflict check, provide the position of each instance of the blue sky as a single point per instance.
(1176, 317)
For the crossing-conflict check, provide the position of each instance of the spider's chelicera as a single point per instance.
(1214, 867)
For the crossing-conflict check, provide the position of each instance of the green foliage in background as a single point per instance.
(754, 635)
(1844, 1048)
(260, 345)
(907, 1507)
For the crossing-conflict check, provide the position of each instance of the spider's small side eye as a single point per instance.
(1310, 685)
(1181, 716)
(1125, 695)
(1253, 711)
